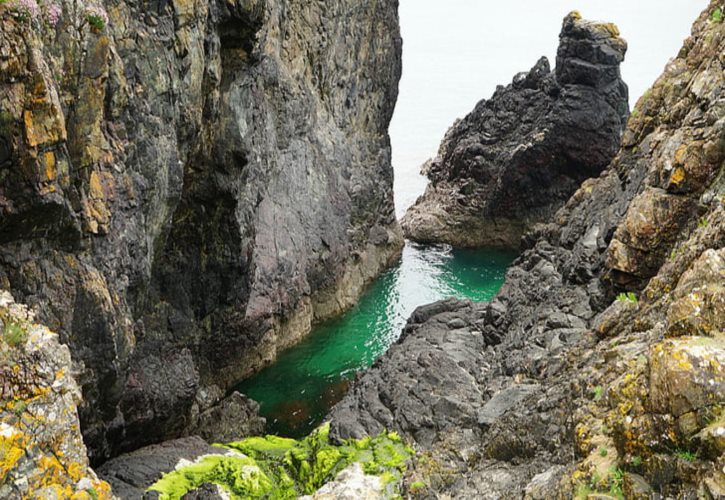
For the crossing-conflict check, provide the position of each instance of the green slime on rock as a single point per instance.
(279, 468)
(297, 391)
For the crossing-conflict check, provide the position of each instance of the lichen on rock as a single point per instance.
(556, 389)
(186, 188)
(42, 454)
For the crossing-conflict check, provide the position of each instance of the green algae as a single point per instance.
(238, 475)
(280, 468)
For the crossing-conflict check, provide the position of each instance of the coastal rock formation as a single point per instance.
(42, 454)
(185, 187)
(131, 474)
(517, 157)
(598, 368)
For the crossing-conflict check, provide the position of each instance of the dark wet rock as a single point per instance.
(503, 401)
(131, 474)
(561, 372)
(185, 191)
(204, 492)
(233, 418)
(520, 155)
(437, 374)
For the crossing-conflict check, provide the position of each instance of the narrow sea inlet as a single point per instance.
(299, 388)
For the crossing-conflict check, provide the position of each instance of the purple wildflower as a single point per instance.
(27, 8)
(53, 13)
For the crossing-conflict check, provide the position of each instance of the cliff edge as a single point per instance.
(187, 186)
(42, 454)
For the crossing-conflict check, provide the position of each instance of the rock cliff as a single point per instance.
(42, 454)
(517, 157)
(186, 186)
(598, 368)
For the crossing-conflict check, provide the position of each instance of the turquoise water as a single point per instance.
(297, 391)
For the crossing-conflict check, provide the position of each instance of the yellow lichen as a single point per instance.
(678, 176)
(12, 449)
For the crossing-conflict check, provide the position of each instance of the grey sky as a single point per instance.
(455, 52)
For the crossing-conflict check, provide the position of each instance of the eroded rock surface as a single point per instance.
(560, 386)
(186, 187)
(42, 454)
(517, 157)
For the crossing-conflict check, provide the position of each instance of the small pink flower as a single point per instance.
(28, 8)
(53, 13)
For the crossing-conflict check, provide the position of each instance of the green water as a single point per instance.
(297, 391)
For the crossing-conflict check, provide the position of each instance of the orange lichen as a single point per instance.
(677, 177)
(51, 172)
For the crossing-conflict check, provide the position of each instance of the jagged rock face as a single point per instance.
(556, 387)
(42, 454)
(186, 187)
(517, 157)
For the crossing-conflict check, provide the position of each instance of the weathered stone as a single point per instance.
(687, 375)
(131, 474)
(611, 395)
(545, 485)
(653, 222)
(698, 307)
(350, 484)
(503, 401)
(714, 486)
(232, 419)
(635, 487)
(516, 158)
(42, 454)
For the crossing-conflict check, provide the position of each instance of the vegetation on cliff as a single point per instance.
(281, 468)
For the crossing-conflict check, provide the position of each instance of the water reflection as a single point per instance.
(297, 391)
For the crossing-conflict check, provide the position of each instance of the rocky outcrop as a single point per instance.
(185, 187)
(42, 454)
(133, 473)
(234, 417)
(598, 367)
(517, 157)
(350, 484)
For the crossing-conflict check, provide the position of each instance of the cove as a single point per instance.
(299, 388)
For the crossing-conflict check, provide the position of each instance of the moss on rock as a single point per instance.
(281, 468)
